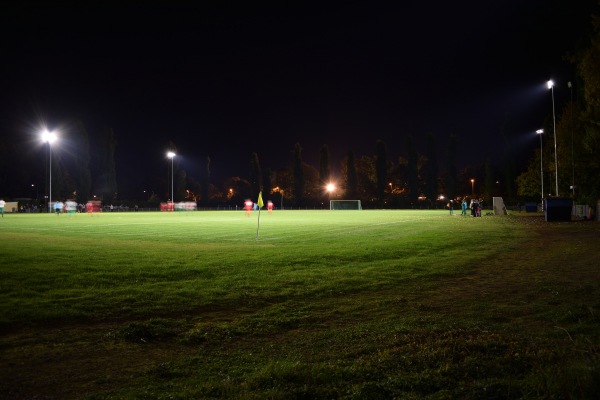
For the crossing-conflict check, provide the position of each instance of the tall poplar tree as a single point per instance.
(298, 175)
(412, 171)
(351, 177)
(267, 178)
(381, 170)
(488, 181)
(510, 163)
(324, 170)
(106, 181)
(431, 180)
(83, 175)
(255, 175)
(451, 170)
(206, 182)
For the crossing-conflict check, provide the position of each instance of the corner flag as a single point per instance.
(260, 205)
(260, 200)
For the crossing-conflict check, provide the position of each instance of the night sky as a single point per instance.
(224, 80)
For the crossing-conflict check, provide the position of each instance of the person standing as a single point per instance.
(2, 205)
(464, 207)
(451, 206)
(248, 205)
(58, 207)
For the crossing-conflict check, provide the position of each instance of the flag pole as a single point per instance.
(260, 205)
(258, 227)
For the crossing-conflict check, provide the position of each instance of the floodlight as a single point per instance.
(550, 84)
(170, 154)
(539, 131)
(48, 137)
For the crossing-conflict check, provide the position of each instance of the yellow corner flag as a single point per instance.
(260, 200)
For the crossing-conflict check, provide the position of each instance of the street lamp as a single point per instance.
(171, 155)
(49, 137)
(541, 132)
(551, 87)
(472, 187)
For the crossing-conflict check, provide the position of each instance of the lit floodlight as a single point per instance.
(170, 154)
(539, 131)
(550, 84)
(330, 187)
(48, 137)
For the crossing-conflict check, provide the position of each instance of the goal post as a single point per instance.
(345, 205)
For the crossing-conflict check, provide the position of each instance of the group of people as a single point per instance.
(68, 207)
(249, 205)
(474, 206)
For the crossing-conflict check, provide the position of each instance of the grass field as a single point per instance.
(324, 305)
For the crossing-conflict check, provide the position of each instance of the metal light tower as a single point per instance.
(572, 145)
(551, 87)
(171, 155)
(49, 137)
(541, 132)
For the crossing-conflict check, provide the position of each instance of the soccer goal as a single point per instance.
(345, 205)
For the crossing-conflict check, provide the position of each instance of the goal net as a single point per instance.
(345, 205)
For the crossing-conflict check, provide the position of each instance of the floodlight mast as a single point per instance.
(171, 155)
(49, 137)
(572, 145)
(541, 132)
(551, 87)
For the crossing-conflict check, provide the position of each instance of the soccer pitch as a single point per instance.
(217, 255)
(323, 304)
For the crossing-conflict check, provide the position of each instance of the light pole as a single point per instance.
(171, 155)
(572, 146)
(551, 87)
(541, 132)
(472, 187)
(49, 137)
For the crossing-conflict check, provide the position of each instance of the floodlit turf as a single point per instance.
(323, 304)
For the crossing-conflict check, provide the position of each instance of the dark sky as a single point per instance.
(225, 80)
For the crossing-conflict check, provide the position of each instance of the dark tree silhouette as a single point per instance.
(381, 171)
(298, 175)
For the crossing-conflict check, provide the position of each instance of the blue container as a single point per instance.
(531, 207)
(558, 209)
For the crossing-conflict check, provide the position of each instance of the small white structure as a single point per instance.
(499, 207)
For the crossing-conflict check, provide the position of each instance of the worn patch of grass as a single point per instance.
(372, 304)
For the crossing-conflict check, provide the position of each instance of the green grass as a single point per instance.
(325, 304)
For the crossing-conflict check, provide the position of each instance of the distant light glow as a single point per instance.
(550, 84)
(539, 131)
(170, 154)
(330, 187)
